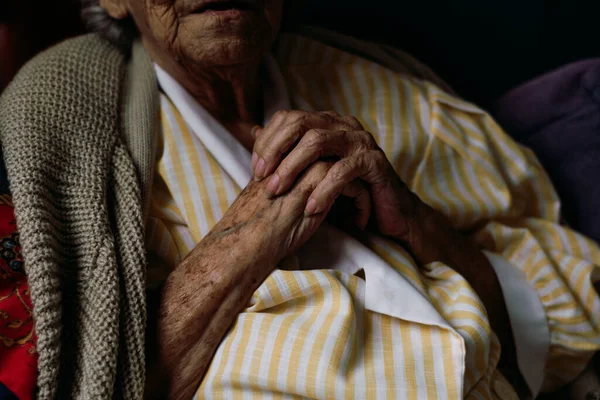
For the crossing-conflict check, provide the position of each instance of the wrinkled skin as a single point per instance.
(215, 56)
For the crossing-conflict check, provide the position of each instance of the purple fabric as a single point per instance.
(558, 116)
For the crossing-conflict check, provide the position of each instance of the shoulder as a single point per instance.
(78, 76)
(86, 58)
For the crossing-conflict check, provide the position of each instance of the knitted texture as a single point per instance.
(78, 203)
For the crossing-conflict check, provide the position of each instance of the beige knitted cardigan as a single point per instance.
(77, 127)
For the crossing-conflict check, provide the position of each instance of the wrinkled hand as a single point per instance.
(279, 224)
(293, 140)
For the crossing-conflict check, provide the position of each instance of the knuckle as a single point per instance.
(378, 157)
(341, 169)
(280, 115)
(359, 142)
(330, 114)
(331, 117)
(271, 153)
(316, 138)
(314, 175)
(296, 115)
(320, 169)
(353, 122)
(368, 140)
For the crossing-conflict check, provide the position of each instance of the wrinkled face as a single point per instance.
(207, 32)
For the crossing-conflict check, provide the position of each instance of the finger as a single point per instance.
(256, 131)
(371, 166)
(353, 122)
(362, 202)
(317, 143)
(279, 137)
(358, 192)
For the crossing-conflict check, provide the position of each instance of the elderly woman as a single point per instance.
(189, 150)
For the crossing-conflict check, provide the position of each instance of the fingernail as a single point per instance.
(253, 131)
(273, 185)
(260, 169)
(254, 159)
(311, 207)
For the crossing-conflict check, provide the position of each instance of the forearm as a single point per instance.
(198, 304)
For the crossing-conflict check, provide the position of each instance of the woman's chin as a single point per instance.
(228, 47)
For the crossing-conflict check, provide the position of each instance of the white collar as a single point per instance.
(232, 156)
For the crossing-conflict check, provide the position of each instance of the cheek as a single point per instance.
(154, 18)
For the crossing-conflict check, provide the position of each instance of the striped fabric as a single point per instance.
(307, 333)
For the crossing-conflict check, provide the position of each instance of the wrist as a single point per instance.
(250, 241)
(431, 237)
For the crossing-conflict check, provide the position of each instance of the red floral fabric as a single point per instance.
(18, 355)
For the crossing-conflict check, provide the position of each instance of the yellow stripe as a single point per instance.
(369, 364)
(409, 362)
(388, 356)
(197, 171)
(448, 357)
(219, 185)
(321, 337)
(426, 342)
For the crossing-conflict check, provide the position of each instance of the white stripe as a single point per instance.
(226, 378)
(359, 75)
(167, 160)
(398, 136)
(189, 178)
(359, 370)
(345, 311)
(267, 357)
(399, 360)
(247, 363)
(209, 379)
(231, 191)
(564, 241)
(310, 341)
(411, 139)
(417, 343)
(347, 90)
(187, 238)
(344, 362)
(379, 104)
(208, 179)
(288, 344)
(439, 354)
(381, 385)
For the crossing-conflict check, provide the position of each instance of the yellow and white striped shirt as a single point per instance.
(312, 333)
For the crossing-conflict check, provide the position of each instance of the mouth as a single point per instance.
(219, 6)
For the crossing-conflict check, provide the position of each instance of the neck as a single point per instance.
(231, 94)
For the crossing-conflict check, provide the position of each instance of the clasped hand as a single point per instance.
(294, 140)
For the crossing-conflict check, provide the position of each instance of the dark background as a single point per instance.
(481, 47)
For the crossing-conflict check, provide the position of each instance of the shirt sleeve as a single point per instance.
(504, 196)
(528, 321)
